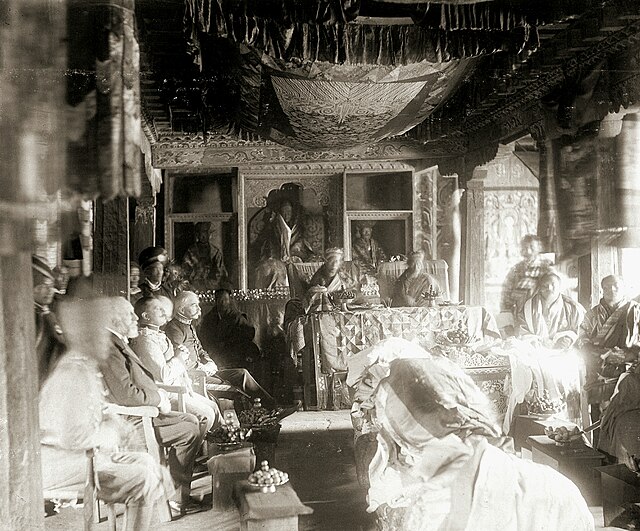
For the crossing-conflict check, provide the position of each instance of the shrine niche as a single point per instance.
(201, 227)
(288, 223)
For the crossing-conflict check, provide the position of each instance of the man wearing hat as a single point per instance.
(49, 338)
(152, 261)
(331, 275)
(413, 283)
(367, 252)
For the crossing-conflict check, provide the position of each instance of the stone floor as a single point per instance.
(316, 450)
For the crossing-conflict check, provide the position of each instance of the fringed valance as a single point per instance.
(103, 92)
(331, 31)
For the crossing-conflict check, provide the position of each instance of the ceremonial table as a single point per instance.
(326, 339)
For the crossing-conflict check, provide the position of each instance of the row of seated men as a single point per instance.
(101, 351)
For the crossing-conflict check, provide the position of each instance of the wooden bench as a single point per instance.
(577, 463)
(227, 468)
(271, 511)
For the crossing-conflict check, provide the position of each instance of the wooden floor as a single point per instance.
(316, 449)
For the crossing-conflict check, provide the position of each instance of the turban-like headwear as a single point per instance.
(333, 251)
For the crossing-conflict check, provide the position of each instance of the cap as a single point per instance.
(40, 270)
(151, 255)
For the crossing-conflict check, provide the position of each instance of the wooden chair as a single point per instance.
(146, 414)
(89, 496)
(179, 390)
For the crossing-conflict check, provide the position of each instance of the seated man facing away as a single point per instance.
(550, 316)
(228, 335)
(166, 365)
(130, 383)
(181, 332)
(441, 462)
(609, 336)
(413, 283)
(73, 420)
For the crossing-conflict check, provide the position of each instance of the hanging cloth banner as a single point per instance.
(104, 76)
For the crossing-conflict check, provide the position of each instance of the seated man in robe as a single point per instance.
(165, 364)
(329, 278)
(413, 283)
(181, 332)
(441, 462)
(152, 262)
(609, 337)
(203, 262)
(228, 335)
(130, 383)
(523, 277)
(74, 419)
(367, 252)
(550, 317)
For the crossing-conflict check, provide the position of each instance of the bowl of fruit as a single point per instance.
(267, 479)
(564, 435)
(344, 297)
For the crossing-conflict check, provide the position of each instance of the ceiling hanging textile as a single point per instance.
(103, 95)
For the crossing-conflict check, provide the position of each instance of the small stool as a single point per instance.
(271, 511)
(226, 468)
(577, 463)
(620, 490)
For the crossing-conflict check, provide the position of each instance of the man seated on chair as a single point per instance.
(181, 332)
(165, 364)
(609, 337)
(411, 286)
(74, 421)
(228, 335)
(549, 316)
(130, 383)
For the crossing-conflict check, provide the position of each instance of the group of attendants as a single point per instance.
(94, 351)
(607, 337)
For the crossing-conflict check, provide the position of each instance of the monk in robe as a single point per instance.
(550, 316)
(331, 275)
(203, 263)
(413, 283)
(609, 337)
(367, 252)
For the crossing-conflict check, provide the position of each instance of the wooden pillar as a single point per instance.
(32, 163)
(627, 182)
(143, 225)
(111, 246)
(604, 253)
(475, 244)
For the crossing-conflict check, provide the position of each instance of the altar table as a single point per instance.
(326, 339)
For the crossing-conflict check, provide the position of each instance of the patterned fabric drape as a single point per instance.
(103, 91)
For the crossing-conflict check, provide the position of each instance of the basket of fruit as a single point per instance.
(543, 406)
(229, 435)
(266, 479)
(456, 337)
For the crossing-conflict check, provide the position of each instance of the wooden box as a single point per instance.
(226, 469)
(578, 463)
(271, 511)
(620, 492)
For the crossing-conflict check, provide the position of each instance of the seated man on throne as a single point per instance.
(549, 317)
(330, 278)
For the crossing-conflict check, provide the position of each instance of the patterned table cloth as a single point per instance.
(327, 339)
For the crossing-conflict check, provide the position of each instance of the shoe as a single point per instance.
(178, 510)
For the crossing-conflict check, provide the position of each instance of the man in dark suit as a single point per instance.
(129, 383)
